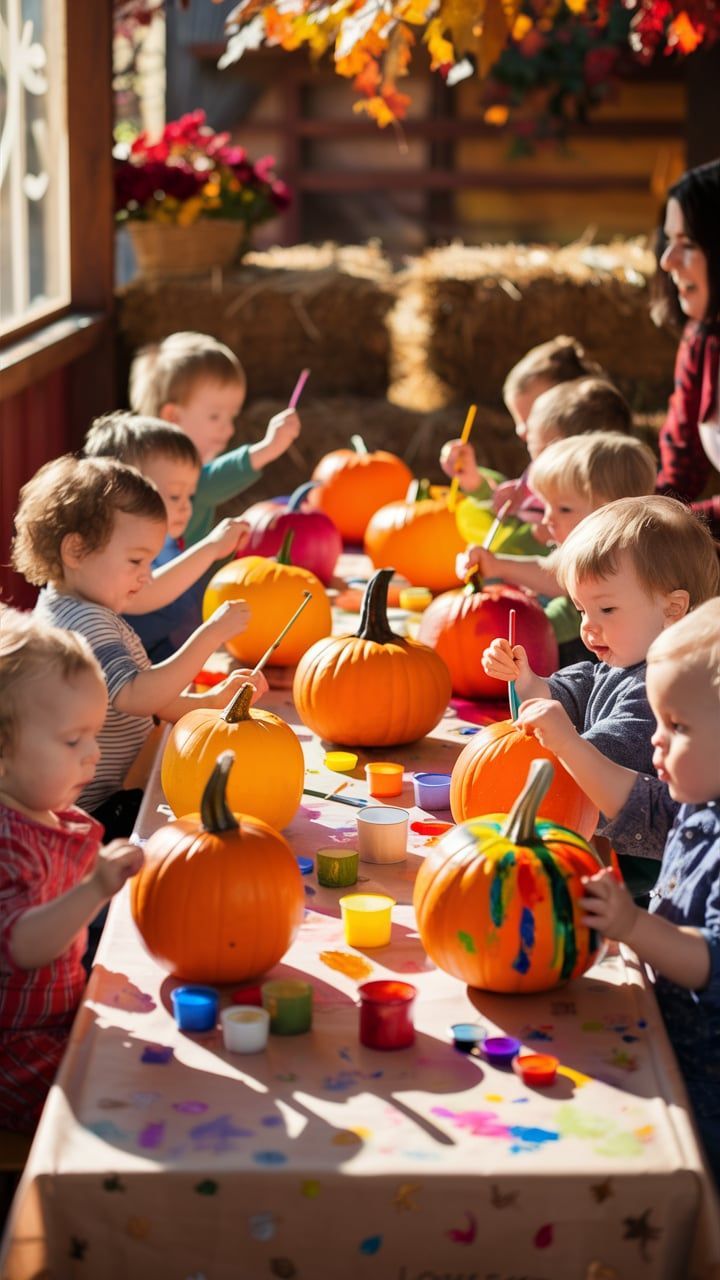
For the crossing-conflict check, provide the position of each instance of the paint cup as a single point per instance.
(500, 1050)
(382, 833)
(245, 1028)
(432, 790)
(251, 993)
(337, 868)
(536, 1069)
(384, 778)
(386, 1014)
(466, 1036)
(340, 761)
(195, 1008)
(289, 1003)
(367, 919)
(416, 599)
(305, 865)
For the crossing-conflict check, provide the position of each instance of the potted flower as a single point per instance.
(190, 199)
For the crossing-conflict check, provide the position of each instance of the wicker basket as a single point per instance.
(166, 251)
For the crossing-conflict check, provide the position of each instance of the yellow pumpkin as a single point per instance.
(274, 589)
(269, 779)
(418, 536)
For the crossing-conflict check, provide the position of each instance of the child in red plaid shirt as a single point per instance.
(54, 872)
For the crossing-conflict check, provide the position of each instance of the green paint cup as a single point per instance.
(289, 1003)
(337, 868)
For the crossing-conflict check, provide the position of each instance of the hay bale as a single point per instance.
(324, 308)
(488, 305)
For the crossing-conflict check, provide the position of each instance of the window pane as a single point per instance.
(34, 243)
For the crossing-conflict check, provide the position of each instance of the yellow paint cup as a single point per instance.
(340, 761)
(367, 919)
(384, 778)
(415, 598)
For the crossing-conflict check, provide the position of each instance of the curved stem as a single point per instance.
(215, 813)
(283, 555)
(374, 623)
(298, 496)
(358, 444)
(520, 825)
(239, 708)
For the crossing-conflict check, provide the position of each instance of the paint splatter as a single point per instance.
(464, 1235)
(158, 1054)
(352, 966)
(544, 1237)
(113, 1184)
(271, 1122)
(404, 1198)
(152, 1136)
(144, 1100)
(269, 1157)
(262, 1226)
(502, 1199)
(218, 1135)
(371, 1245)
(485, 1124)
(467, 942)
(108, 1131)
(206, 1188)
(111, 1104)
(310, 1190)
(537, 1033)
(503, 867)
(642, 1230)
(602, 1191)
(190, 1108)
(346, 1138)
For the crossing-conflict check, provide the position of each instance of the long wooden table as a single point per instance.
(160, 1155)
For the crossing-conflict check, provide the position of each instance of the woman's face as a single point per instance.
(686, 264)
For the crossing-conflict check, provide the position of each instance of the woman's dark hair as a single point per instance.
(698, 194)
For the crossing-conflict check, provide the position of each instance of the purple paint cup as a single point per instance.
(500, 1050)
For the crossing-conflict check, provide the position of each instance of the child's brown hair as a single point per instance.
(670, 548)
(167, 372)
(29, 650)
(587, 404)
(562, 359)
(76, 495)
(135, 438)
(600, 466)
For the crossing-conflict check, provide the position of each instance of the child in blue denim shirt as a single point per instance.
(680, 935)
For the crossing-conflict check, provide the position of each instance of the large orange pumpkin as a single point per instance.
(372, 689)
(274, 588)
(268, 781)
(419, 536)
(459, 625)
(489, 770)
(353, 483)
(497, 899)
(220, 897)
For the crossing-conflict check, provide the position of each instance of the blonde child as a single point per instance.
(87, 532)
(632, 569)
(54, 872)
(572, 478)
(680, 937)
(197, 383)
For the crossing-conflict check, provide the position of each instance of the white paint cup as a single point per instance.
(245, 1028)
(382, 833)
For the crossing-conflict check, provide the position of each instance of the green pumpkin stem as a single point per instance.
(374, 623)
(215, 813)
(358, 444)
(520, 825)
(418, 491)
(239, 707)
(298, 496)
(283, 555)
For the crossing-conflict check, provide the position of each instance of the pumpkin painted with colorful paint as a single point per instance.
(497, 899)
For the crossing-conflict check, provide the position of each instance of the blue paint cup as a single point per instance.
(195, 1008)
(467, 1036)
(432, 790)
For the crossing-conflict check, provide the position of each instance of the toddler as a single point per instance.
(87, 532)
(632, 569)
(171, 609)
(197, 383)
(680, 936)
(54, 872)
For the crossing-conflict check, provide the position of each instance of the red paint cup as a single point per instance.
(537, 1069)
(386, 1014)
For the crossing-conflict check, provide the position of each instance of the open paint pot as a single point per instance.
(467, 1036)
(382, 833)
(289, 1003)
(432, 790)
(337, 868)
(245, 1028)
(384, 778)
(416, 599)
(340, 761)
(536, 1069)
(195, 1008)
(500, 1050)
(386, 1014)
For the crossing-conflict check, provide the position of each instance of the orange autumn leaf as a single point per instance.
(278, 28)
(440, 49)
(368, 80)
(683, 34)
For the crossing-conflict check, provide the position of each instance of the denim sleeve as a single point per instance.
(645, 821)
(711, 934)
(623, 735)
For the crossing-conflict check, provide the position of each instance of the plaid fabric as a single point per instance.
(684, 465)
(28, 1063)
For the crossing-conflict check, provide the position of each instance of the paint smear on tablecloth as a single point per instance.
(354, 967)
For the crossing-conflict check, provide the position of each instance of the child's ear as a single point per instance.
(677, 604)
(170, 413)
(72, 550)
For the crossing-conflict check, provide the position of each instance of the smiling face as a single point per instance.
(115, 573)
(620, 618)
(563, 511)
(686, 264)
(176, 482)
(53, 752)
(208, 415)
(687, 710)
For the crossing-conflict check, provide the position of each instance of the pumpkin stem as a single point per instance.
(298, 496)
(418, 491)
(520, 825)
(283, 555)
(239, 707)
(374, 624)
(358, 444)
(215, 813)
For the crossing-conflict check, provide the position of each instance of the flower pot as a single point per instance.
(163, 250)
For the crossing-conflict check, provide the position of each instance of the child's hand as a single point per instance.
(512, 491)
(458, 461)
(607, 906)
(229, 619)
(229, 535)
(223, 693)
(505, 663)
(282, 429)
(550, 723)
(476, 557)
(116, 863)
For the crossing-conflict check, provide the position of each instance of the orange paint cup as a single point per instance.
(536, 1069)
(384, 778)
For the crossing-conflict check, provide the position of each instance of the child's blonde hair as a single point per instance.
(135, 439)
(29, 650)
(670, 548)
(694, 641)
(600, 466)
(575, 408)
(562, 359)
(81, 496)
(168, 372)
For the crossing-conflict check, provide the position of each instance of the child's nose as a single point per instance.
(667, 257)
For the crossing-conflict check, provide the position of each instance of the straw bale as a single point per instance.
(487, 305)
(324, 308)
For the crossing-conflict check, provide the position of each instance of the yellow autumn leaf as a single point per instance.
(576, 6)
(376, 107)
(521, 26)
(415, 11)
(440, 49)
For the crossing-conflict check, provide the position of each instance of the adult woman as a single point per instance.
(687, 292)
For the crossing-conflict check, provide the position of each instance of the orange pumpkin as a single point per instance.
(486, 777)
(353, 483)
(497, 899)
(274, 589)
(269, 779)
(219, 898)
(372, 689)
(419, 536)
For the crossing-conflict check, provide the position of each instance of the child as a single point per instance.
(680, 937)
(632, 568)
(197, 383)
(572, 478)
(87, 532)
(54, 872)
(167, 457)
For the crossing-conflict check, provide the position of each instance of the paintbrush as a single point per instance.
(512, 691)
(454, 483)
(320, 795)
(307, 595)
(293, 450)
(490, 535)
